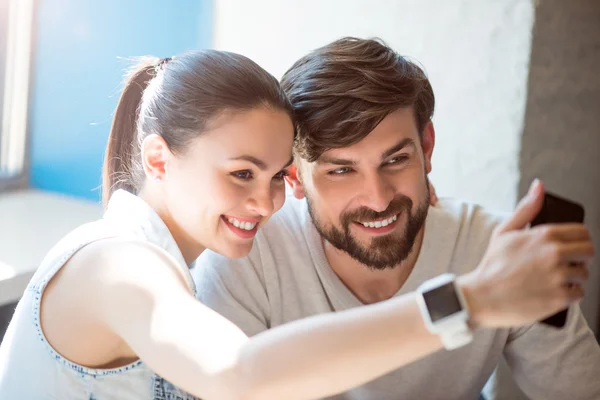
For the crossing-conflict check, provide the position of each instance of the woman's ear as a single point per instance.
(155, 153)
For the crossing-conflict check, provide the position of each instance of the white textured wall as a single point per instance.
(475, 52)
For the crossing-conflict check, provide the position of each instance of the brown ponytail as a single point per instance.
(123, 132)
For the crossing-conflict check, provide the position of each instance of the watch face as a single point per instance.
(442, 302)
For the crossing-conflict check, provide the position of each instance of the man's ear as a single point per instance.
(428, 142)
(293, 179)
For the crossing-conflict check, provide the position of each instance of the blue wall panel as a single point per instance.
(81, 53)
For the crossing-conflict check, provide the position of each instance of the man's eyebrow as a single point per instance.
(349, 163)
(397, 147)
(336, 161)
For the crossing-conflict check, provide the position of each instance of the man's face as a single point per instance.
(371, 199)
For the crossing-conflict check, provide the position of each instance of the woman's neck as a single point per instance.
(190, 248)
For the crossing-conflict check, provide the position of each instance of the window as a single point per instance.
(16, 38)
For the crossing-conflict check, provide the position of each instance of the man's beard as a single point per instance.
(385, 251)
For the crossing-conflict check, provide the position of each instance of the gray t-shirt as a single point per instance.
(287, 277)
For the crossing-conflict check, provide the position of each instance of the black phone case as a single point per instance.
(558, 210)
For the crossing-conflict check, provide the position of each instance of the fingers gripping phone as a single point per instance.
(556, 210)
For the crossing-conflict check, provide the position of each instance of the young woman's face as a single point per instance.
(229, 181)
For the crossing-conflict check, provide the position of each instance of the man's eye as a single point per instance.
(397, 160)
(340, 171)
(243, 175)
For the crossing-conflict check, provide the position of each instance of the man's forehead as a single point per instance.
(395, 127)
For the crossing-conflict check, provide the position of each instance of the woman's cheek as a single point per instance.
(279, 198)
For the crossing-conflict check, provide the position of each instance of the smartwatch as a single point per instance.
(444, 310)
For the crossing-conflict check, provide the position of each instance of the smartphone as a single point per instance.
(556, 210)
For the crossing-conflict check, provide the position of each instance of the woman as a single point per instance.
(196, 158)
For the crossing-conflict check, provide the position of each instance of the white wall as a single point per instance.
(31, 223)
(475, 52)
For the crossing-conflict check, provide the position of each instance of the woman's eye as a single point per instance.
(243, 175)
(340, 171)
(281, 174)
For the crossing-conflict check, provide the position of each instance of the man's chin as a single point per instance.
(382, 252)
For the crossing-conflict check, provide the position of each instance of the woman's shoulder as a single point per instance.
(119, 255)
(98, 250)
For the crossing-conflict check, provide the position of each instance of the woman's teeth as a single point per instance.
(247, 226)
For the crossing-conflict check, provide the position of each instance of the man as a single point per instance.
(366, 233)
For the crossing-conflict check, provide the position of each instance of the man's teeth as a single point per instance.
(247, 226)
(379, 224)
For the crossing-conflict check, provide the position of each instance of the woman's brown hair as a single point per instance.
(176, 99)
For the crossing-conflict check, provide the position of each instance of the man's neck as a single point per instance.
(367, 284)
